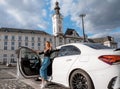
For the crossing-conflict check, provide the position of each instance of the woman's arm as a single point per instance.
(54, 50)
(41, 53)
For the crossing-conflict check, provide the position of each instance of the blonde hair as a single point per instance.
(48, 45)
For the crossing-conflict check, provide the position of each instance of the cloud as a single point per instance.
(22, 14)
(102, 16)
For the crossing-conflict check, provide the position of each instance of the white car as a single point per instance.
(77, 66)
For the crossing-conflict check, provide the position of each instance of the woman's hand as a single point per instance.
(37, 51)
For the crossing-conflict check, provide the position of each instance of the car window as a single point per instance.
(98, 46)
(28, 54)
(54, 54)
(68, 50)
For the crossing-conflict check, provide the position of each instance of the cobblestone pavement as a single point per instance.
(8, 81)
(13, 84)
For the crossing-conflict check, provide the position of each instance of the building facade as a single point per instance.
(107, 41)
(11, 39)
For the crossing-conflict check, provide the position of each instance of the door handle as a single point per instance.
(69, 60)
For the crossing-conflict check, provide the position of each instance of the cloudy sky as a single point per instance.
(102, 16)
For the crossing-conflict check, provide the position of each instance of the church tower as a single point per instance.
(57, 20)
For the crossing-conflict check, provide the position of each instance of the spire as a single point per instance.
(57, 8)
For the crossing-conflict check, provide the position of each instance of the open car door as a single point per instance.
(29, 62)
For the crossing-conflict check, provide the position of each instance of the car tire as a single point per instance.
(79, 79)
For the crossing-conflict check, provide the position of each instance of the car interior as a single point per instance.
(31, 62)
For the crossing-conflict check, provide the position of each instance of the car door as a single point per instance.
(28, 62)
(62, 64)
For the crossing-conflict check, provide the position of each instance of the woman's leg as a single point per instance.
(42, 74)
(43, 70)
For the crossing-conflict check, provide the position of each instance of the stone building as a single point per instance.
(107, 41)
(11, 39)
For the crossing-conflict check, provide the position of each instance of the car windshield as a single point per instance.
(98, 46)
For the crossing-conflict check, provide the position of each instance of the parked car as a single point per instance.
(11, 64)
(76, 65)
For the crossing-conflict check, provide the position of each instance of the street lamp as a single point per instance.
(82, 16)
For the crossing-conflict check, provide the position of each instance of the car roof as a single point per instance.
(75, 44)
(86, 46)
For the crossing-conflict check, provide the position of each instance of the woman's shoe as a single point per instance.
(49, 78)
(38, 79)
(42, 86)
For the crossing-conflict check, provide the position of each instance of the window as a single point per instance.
(6, 37)
(60, 39)
(19, 44)
(12, 48)
(12, 59)
(44, 39)
(38, 38)
(32, 38)
(19, 38)
(5, 43)
(5, 55)
(69, 50)
(5, 47)
(26, 38)
(4, 58)
(50, 39)
(69, 41)
(26, 43)
(32, 44)
(38, 44)
(54, 54)
(12, 43)
(13, 38)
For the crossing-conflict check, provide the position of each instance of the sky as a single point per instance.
(102, 16)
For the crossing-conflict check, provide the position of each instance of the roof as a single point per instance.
(101, 40)
(70, 32)
(22, 31)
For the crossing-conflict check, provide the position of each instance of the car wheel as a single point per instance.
(79, 79)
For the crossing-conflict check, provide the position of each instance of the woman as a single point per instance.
(46, 61)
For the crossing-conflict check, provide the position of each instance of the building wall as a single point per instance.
(111, 44)
(10, 41)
